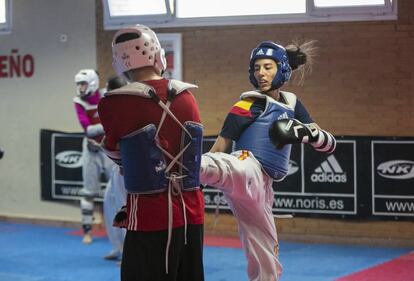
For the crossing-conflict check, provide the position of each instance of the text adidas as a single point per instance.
(329, 171)
(328, 177)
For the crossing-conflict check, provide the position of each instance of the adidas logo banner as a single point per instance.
(365, 177)
(317, 182)
(331, 173)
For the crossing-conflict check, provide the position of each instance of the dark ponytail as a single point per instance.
(296, 58)
(301, 57)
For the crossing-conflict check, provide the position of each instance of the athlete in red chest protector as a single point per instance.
(152, 129)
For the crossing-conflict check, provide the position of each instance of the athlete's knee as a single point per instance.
(86, 203)
(210, 173)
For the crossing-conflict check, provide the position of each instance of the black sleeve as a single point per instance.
(239, 119)
(302, 114)
(234, 125)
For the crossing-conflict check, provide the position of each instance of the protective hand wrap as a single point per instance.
(326, 142)
(93, 131)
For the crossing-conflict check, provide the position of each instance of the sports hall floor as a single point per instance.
(44, 253)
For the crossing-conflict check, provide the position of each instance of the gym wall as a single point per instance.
(53, 39)
(362, 85)
(362, 81)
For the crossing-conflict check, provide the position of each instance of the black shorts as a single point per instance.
(143, 257)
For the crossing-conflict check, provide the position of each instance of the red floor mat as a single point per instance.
(399, 269)
(208, 240)
(222, 242)
(95, 232)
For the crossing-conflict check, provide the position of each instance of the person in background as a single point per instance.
(263, 125)
(95, 163)
(152, 129)
(115, 195)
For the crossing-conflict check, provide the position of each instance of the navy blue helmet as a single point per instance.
(271, 50)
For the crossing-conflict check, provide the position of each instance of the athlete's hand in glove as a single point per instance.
(120, 219)
(290, 131)
(93, 146)
(93, 131)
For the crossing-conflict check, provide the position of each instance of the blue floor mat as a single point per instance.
(40, 253)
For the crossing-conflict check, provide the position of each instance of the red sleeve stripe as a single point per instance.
(240, 111)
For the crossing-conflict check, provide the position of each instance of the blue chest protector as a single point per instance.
(144, 160)
(256, 139)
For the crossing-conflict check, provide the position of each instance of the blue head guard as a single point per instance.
(270, 50)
